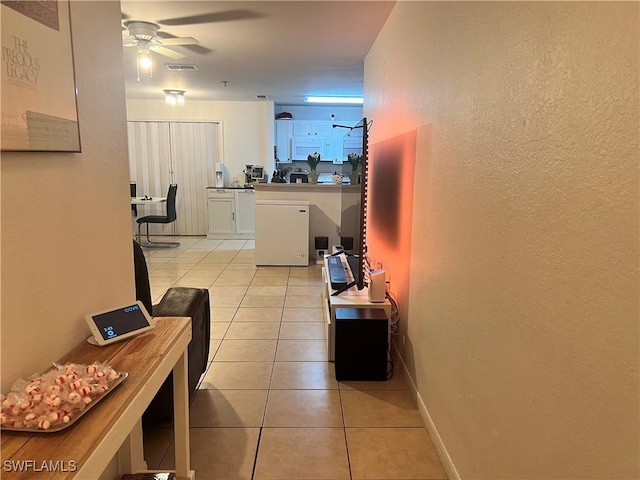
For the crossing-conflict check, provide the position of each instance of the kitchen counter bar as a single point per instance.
(303, 187)
(325, 205)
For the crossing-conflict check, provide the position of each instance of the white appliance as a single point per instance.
(303, 146)
(219, 175)
(282, 232)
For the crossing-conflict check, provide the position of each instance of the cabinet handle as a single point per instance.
(233, 215)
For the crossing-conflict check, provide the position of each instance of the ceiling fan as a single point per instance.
(144, 36)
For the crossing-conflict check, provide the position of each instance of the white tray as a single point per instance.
(122, 377)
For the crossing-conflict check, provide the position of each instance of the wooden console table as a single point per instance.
(114, 423)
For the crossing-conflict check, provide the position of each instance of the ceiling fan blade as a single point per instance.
(129, 42)
(179, 41)
(166, 52)
(229, 15)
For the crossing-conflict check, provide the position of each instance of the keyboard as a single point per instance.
(337, 275)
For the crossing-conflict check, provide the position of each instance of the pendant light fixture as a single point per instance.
(144, 58)
(174, 97)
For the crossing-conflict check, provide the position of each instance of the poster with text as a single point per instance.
(39, 110)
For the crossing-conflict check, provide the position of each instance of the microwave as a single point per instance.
(303, 147)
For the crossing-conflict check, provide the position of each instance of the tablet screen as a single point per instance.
(119, 322)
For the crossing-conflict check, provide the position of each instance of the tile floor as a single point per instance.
(269, 406)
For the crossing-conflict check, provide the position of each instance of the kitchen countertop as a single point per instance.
(230, 188)
(302, 186)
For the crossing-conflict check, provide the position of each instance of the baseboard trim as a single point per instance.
(445, 458)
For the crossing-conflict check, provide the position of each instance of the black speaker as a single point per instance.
(361, 344)
(322, 243)
(347, 243)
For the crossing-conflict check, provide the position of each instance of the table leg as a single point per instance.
(181, 416)
(132, 451)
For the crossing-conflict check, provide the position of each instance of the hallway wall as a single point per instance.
(60, 209)
(521, 327)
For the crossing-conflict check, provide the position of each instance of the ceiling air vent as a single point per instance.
(180, 68)
(262, 97)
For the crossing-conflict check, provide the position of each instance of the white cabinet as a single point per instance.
(346, 143)
(284, 132)
(221, 211)
(295, 139)
(245, 211)
(309, 128)
(231, 213)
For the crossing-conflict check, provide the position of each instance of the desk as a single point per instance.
(115, 422)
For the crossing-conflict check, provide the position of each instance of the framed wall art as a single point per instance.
(39, 109)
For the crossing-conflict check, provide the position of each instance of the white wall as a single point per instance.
(322, 112)
(66, 232)
(521, 328)
(247, 128)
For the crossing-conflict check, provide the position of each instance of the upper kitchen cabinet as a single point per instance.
(295, 139)
(307, 128)
(284, 132)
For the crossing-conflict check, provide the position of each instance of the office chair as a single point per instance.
(168, 218)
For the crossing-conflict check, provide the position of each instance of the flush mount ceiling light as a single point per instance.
(174, 97)
(333, 99)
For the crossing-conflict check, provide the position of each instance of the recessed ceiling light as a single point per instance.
(333, 99)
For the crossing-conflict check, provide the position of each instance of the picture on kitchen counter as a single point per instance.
(39, 110)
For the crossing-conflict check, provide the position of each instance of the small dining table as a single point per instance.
(147, 200)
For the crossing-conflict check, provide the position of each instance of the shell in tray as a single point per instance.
(57, 399)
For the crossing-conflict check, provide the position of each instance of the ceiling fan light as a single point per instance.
(145, 61)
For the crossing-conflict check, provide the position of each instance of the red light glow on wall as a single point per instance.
(390, 208)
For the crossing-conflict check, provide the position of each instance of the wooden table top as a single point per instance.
(138, 356)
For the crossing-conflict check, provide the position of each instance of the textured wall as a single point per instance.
(66, 217)
(522, 326)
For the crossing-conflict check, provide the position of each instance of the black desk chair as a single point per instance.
(168, 218)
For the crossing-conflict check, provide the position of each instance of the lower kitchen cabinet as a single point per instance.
(231, 213)
(245, 209)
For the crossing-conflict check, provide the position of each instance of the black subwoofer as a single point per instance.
(361, 344)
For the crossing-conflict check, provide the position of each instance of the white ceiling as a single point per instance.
(284, 50)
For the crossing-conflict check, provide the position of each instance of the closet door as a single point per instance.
(150, 168)
(194, 150)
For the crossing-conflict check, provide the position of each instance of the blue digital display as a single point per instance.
(119, 322)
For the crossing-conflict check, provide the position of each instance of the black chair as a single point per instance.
(177, 302)
(134, 208)
(168, 218)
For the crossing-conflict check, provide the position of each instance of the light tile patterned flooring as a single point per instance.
(269, 406)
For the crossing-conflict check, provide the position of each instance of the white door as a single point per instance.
(185, 153)
(194, 154)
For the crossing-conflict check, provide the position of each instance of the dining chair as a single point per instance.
(168, 218)
(134, 208)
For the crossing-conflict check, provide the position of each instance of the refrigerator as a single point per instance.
(282, 232)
